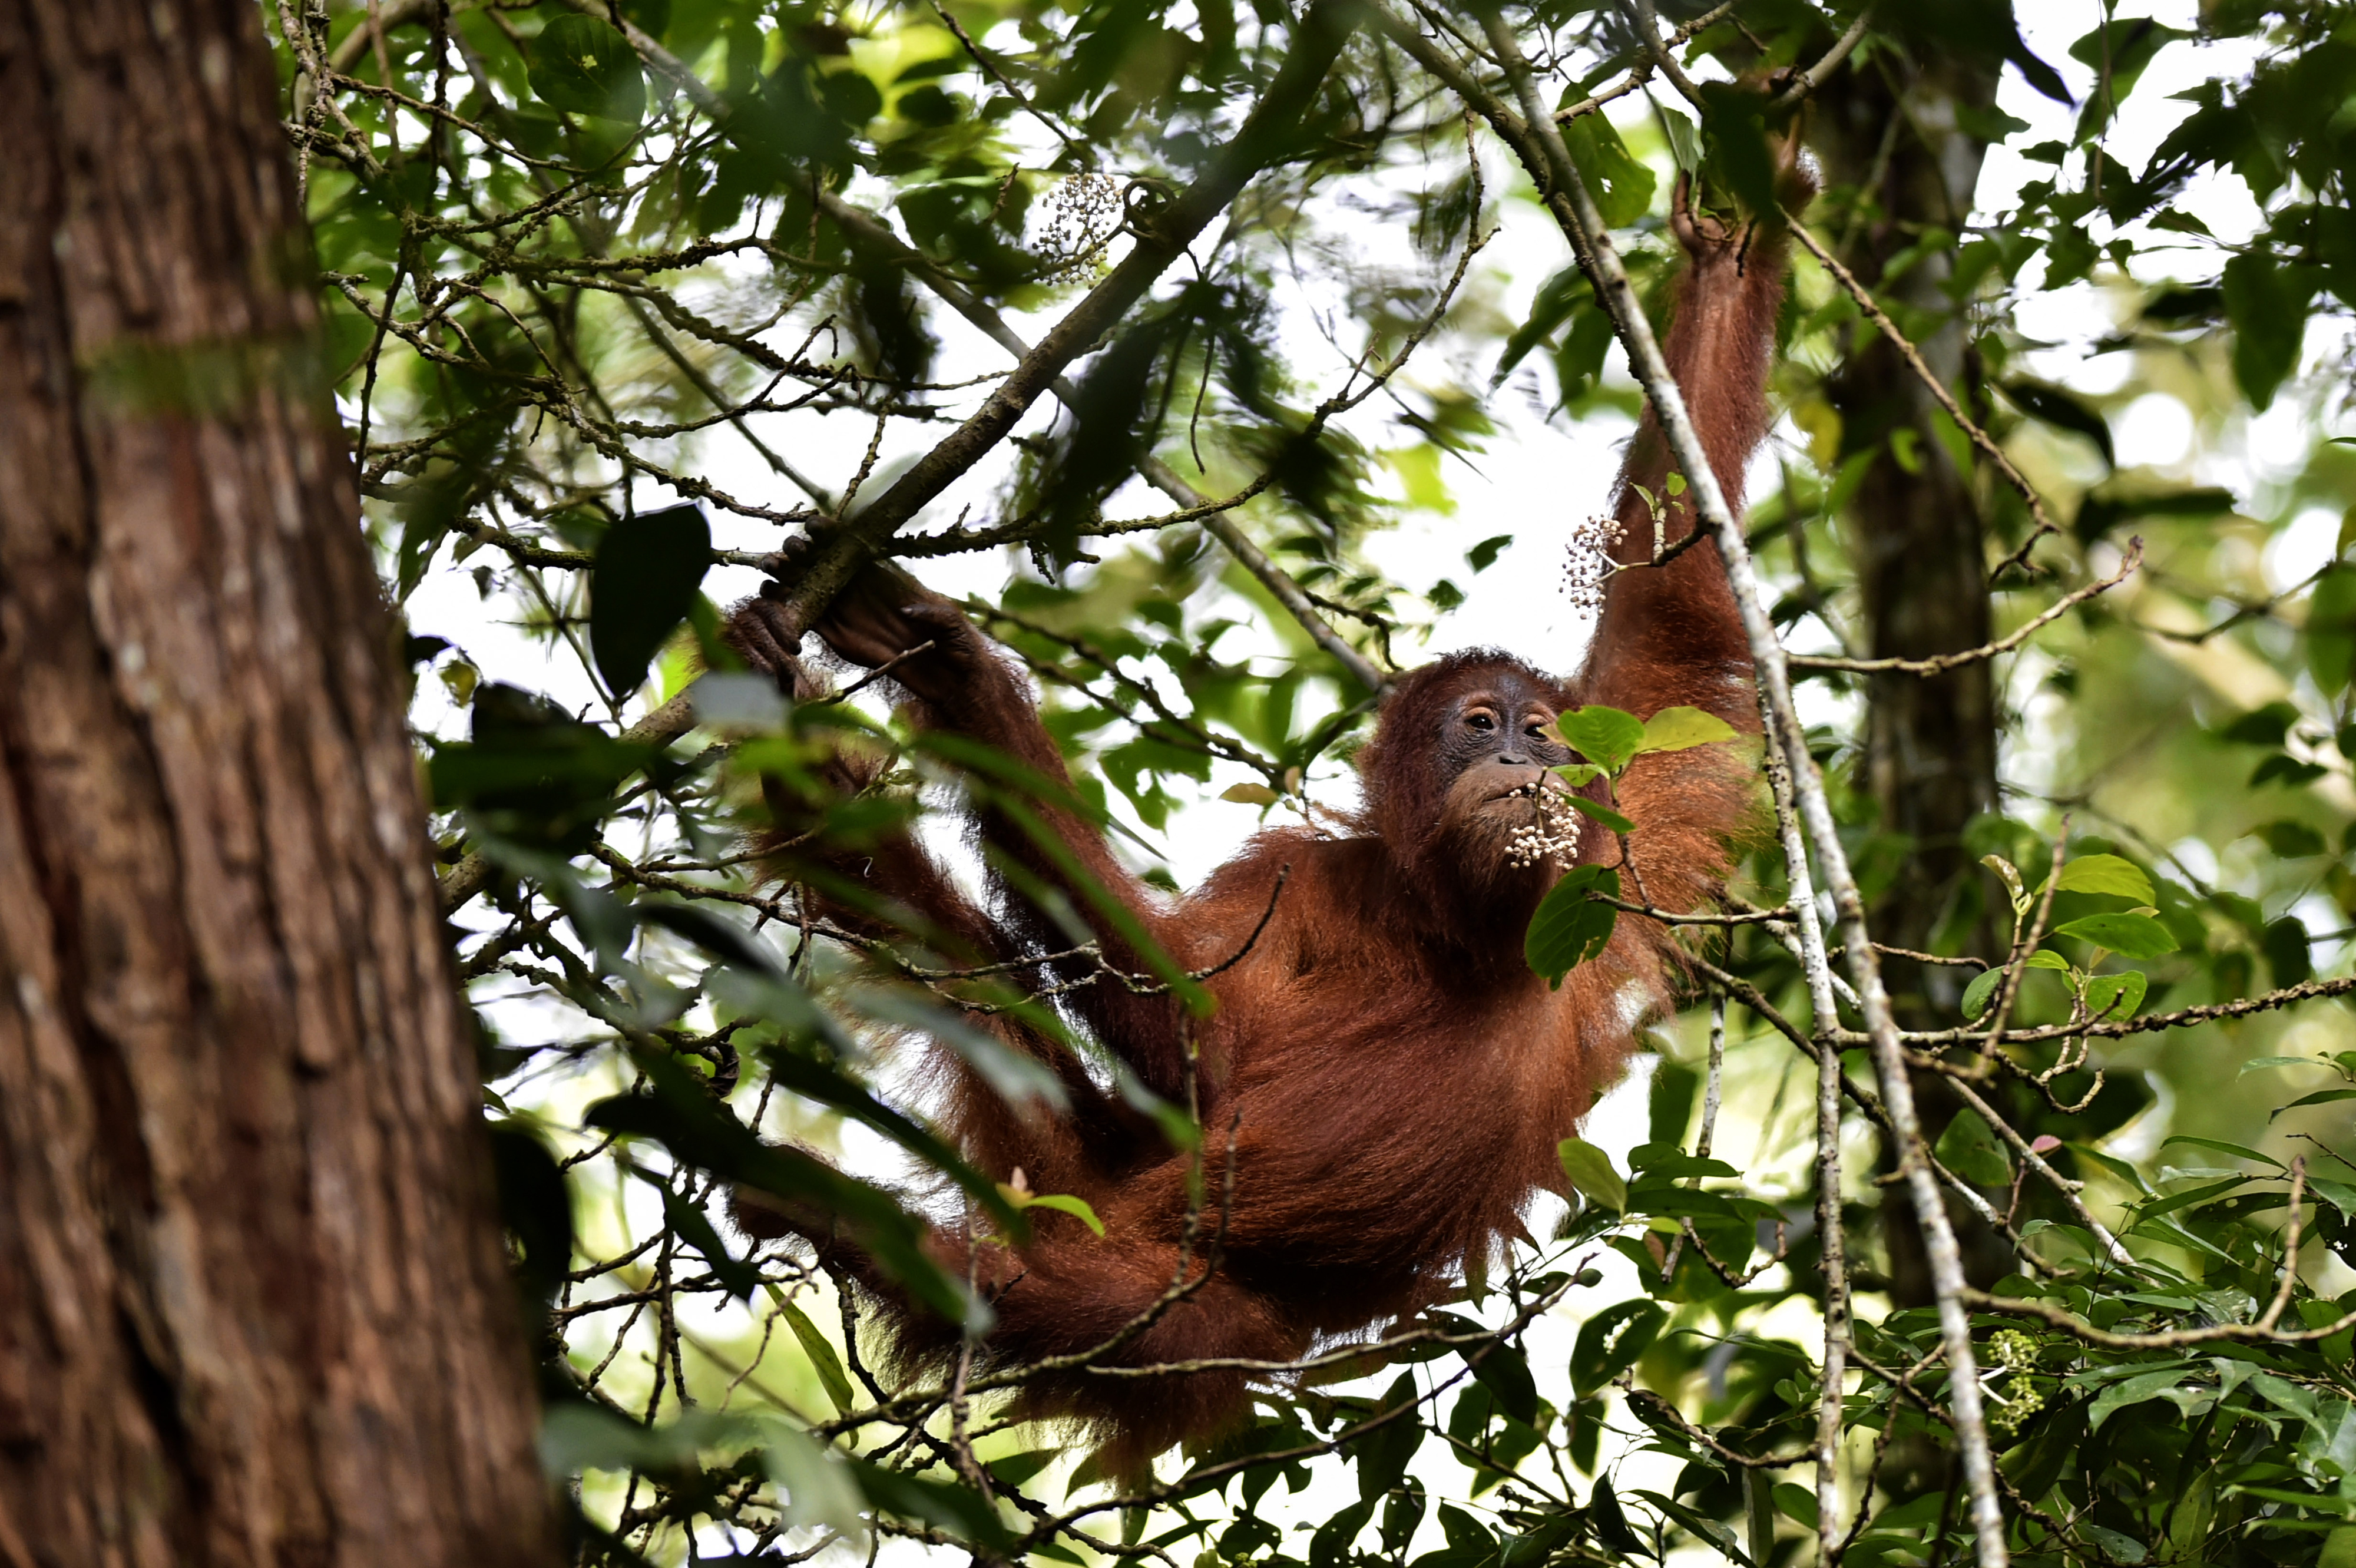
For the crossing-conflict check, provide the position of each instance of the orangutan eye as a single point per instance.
(1482, 722)
(1536, 731)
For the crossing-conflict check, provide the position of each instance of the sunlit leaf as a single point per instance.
(1589, 1170)
(2130, 936)
(2105, 874)
(1605, 736)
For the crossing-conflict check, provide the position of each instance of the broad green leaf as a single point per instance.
(583, 66)
(2115, 995)
(1507, 1375)
(1610, 1342)
(1601, 813)
(2131, 936)
(1620, 183)
(2267, 299)
(1250, 795)
(1568, 927)
(649, 570)
(1549, 309)
(2105, 874)
(1683, 728)
(2131, 1392)
(1970, 1149)
(1605, 736)
(1981, 993)
(1796, 1503)
(1589, 1170)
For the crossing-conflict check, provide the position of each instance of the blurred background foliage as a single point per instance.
(621, 297)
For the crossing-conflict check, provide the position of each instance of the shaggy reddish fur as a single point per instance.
(1395, 1078)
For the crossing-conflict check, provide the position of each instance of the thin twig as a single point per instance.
(1938, 389)
(1939, 664)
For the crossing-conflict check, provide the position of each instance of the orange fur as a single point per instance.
(1395, 1078)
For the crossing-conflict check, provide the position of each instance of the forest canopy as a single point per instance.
(1985, 1196)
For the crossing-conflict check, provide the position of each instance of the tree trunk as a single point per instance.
(253, 1307)
(1889, 131)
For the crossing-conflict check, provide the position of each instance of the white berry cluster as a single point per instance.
(1084, 213)
(1552, 838)
(1587, 562)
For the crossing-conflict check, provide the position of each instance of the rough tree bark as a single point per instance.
(253, 1307)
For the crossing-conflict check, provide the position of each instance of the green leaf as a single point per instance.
(1549, 309)
(1066, 1203)
(2289, 950)
(1682, 729)
(1981, 993)
(2130, 1391)
(819, 1485)
(682, 1115)
(1619, 182)
(1589, 1170)
(2292, 841)
(1605, 736)
(1796, 1503)
(2238, 1151)
(1484, 555)
(1970, 1149)
(1737, 138)
(583, 66)
(2115, 995)
(1601, 813)
(1610, 1342)
(2063, 410)
(2321, 1097)
(649, 571)
(823, 1359)
(2105, 874)
(1685, 139)
(2134, 936)
(2266, 301)
(1506, 1375)
(953, 1508)
(2266, 1064)
(2011, 876)
(1568, 927)
(1250, 795)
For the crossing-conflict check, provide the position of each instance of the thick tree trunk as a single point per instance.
(1922, 556)
(252, 1304)
(1890, 131)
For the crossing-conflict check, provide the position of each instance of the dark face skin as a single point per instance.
(1498, 743)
